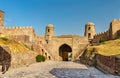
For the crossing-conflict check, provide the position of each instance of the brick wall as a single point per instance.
(109, 64)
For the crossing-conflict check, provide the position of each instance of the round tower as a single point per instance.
(49, 32)
(90, 30)
(1, 18)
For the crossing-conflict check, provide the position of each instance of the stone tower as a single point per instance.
(90, 30)
(49, 32)
(114, 28)
(1, 18)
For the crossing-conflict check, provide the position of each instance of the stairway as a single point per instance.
(77, 58)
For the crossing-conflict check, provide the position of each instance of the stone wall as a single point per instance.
(1, 18)
(17, 31)
(39, 47)
(54, 44)
(112, 33)
(109, 64)
(79, 43)
(97, 37)
(40, 40)
(114, 28)
(16, 59)
(21, 38)
(76, 43)
(25, 35)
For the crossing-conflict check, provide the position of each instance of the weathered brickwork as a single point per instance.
(110, 64)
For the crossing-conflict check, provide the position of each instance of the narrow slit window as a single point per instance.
(89, 28)
(89, 35)
(48, 30)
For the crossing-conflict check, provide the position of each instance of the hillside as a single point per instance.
(108, 48)
(13, 45)
(20, 53)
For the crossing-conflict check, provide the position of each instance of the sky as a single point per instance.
(67, 16)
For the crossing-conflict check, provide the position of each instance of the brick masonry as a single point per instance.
(110, 64)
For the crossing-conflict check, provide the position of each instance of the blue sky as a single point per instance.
(67, 16)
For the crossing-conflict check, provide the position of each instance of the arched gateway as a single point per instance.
(65, 52)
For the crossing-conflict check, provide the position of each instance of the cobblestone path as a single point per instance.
(55, 69)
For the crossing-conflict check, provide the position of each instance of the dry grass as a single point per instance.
(14, 45)
(108, 48)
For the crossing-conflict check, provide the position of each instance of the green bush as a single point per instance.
(102, 40)
(4, 38)
(40, 58)
(26, 46)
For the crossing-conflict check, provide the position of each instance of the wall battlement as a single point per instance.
(112, 33)
(19, 27)
(19, 30)
(101, 34)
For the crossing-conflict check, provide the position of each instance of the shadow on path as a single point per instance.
(79, 73)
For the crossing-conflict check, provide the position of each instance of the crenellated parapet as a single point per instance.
(26, 30)
(101, 34)
(19, 27)
(19, 31)
(112, 33)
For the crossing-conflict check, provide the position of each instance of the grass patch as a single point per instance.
(102, 40)
(4, 38)
(26, 46)
(109, 48)
(14, 46)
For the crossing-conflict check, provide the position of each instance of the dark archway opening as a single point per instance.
(65, 52)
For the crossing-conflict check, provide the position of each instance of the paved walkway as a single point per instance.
(55, 69)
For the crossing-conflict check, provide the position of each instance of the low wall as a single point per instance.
(108, 64)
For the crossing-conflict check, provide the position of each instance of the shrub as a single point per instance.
(26, 46)
(102, 40)
(40, 58)
(4, 38)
